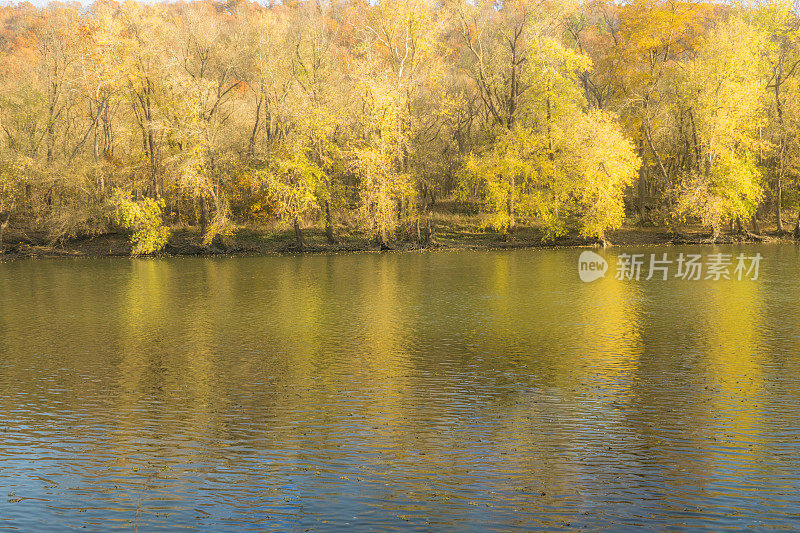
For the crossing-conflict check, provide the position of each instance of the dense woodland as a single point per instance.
(558, 114)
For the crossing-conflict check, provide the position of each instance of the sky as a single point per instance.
(85, 3)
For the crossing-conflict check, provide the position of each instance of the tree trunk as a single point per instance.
(797, 227)
(652, 147)
(642, 185)
(151, 143)
(510, 206)
(2, 231)
(298, 235)
(431, 236)
(778, 202)
(329, 224)
(781, 150)
(739, 225)
(715, 231)
(381, 238)
(4, 224)
(754, 222)
(251, 147)
(203, 215)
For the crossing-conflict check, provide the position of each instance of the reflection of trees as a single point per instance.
(733, 341)
(698, 387)
(416, 377)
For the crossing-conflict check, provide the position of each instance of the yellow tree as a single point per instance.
(396, 56)
(320, 106)
(100, 82)
(637, 49)
(602, 162)
(11, 187)
(544, 150)
(723, 87)
(22, 106)
(377, 159)
(577, 175)
(292, 182)
(206, 77)
(792, 141)
(518, 67)
(779, 20)
(144, 68)
(269, 73)
(392, 37)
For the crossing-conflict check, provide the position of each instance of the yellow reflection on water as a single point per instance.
(610, 310)
(733, 324)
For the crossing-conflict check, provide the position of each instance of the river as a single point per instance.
(444, 391)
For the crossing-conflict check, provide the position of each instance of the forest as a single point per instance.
(568, 116)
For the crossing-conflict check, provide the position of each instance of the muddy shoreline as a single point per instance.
(188, 242)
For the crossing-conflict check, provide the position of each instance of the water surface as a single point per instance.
(444, 391)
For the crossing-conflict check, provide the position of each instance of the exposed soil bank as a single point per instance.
(453, 236)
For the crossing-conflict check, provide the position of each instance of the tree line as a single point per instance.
(555, 113)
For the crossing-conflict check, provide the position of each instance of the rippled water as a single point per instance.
(444, 391)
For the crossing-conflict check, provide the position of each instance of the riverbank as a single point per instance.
(450, 234)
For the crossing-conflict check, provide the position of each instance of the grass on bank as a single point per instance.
(451, 225)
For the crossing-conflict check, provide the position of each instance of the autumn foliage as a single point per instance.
(558, 114)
